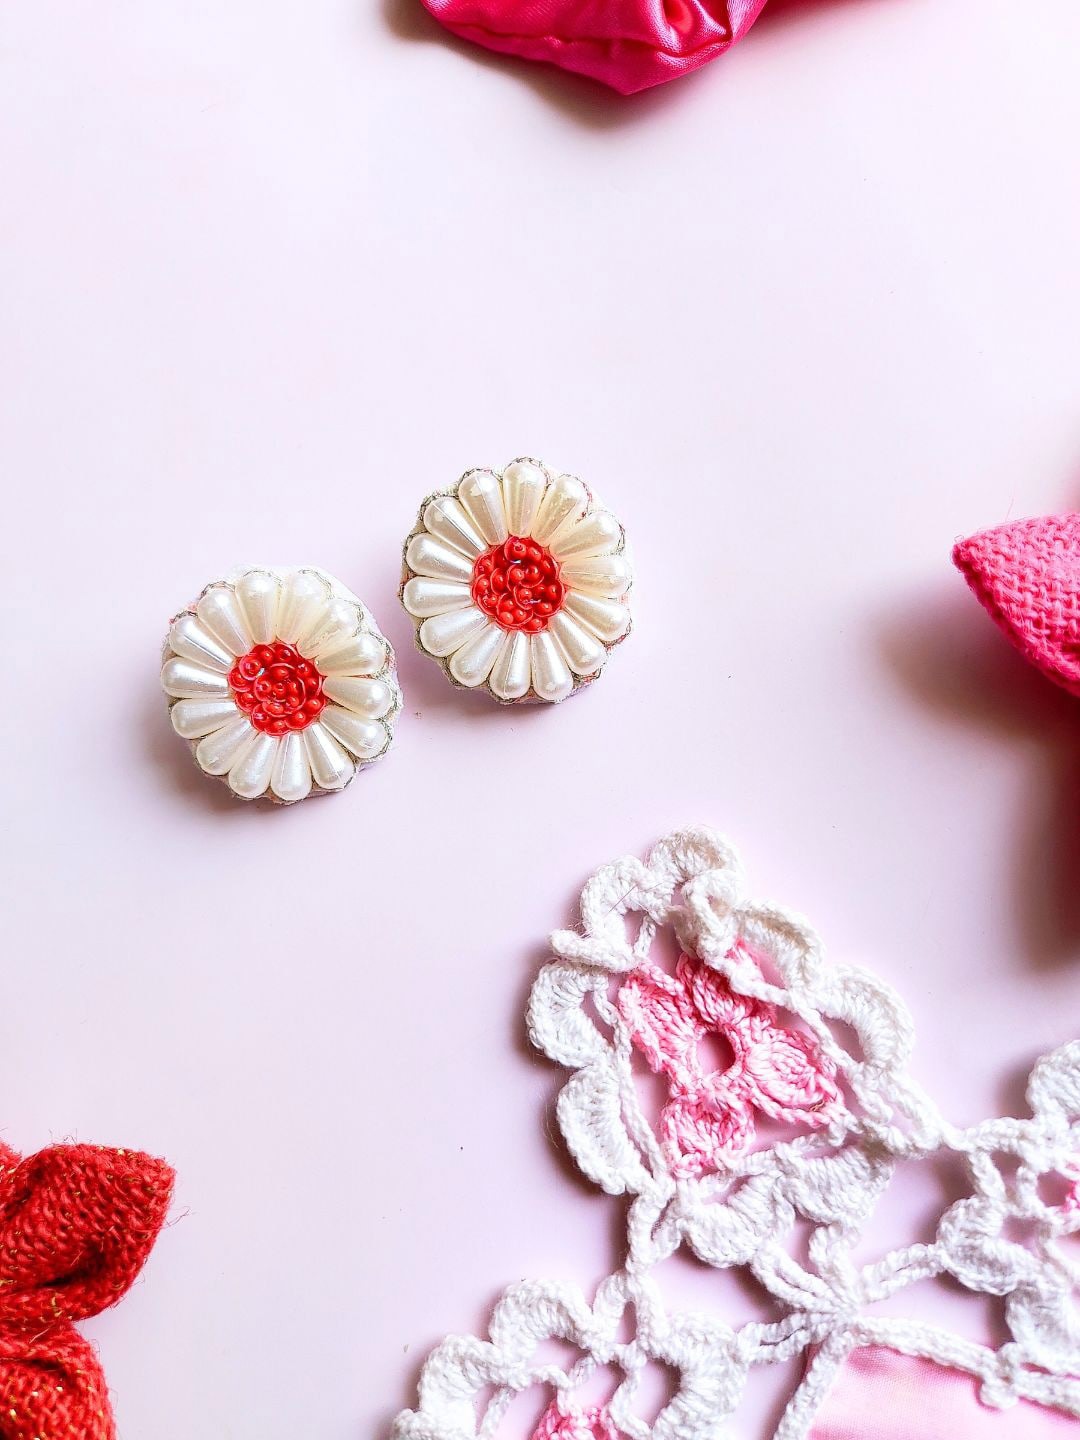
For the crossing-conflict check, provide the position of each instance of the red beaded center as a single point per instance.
(517, 583)
(277, 688)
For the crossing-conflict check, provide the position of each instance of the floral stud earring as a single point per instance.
(281, 682)
(517, 582)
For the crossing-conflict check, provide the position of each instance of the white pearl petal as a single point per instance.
(596, 534)
(423, 597)
(364, 654)
(334, 624)
(511, 675)
(443, 634)
(606, 575)
(330, 765)
(194, 718)
(566, 497)
(187, 681)
(471, 665)
(258, 593)
(218, 751)
(583, 652)
(551, 676)
(304, 597)
(219, 610)
(370, 698)
(445, 518)
(365, 738)
(291, 778)
(523, 488)
(607, 619)
(249, 776)
(191, 639)
(428, 556)
(479, 492)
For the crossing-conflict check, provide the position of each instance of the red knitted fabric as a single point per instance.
(1027, 575)
(76, 1225)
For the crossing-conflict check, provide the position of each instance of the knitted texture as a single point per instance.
(820, 1053)
(77, 1223)
(1027, 575)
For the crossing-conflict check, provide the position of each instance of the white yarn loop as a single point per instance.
(1004, 1239)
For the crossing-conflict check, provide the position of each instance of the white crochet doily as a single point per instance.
(803, 1123)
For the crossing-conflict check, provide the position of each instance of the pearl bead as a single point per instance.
(219, 610)
(605, 575)
(428, 556)
(303, 598)
(217, 752)
(191, 639)
(511, 674)
(583, 651)
(523, 487)
(566, 497)
(595, 534)
(258, 592)
(365, 738)
(363, 654)
(250, 773)
(607, 619)
(551, 676)
(334, 624)
(471, 665)
(186, 681)
(330, 765)
(481, 496)
(291, 778)
(370, 698)
(444, 517)
(192, 719)
(443, 634)
(423, 597)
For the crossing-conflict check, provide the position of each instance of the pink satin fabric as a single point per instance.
(627, 44)
(881, 1395)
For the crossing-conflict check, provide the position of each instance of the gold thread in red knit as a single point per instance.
(77, 1223)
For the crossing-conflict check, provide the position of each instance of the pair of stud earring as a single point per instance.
(284, 686)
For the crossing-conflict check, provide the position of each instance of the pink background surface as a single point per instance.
(271, 273)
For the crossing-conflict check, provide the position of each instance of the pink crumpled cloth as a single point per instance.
(627, 44)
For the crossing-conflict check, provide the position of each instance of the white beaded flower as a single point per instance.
(281, 682)
(517, 582)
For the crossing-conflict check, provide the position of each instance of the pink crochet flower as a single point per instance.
(1027, 576)
(574, 1423)
(710, 1116)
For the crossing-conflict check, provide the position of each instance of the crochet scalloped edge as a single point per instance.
(738, 1207)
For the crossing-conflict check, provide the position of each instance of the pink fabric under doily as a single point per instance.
(882, 1395)
(627, 44)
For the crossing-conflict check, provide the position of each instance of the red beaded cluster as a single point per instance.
(517, 583)
(277, 688)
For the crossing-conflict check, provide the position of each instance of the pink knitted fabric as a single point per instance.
(1027, 575)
